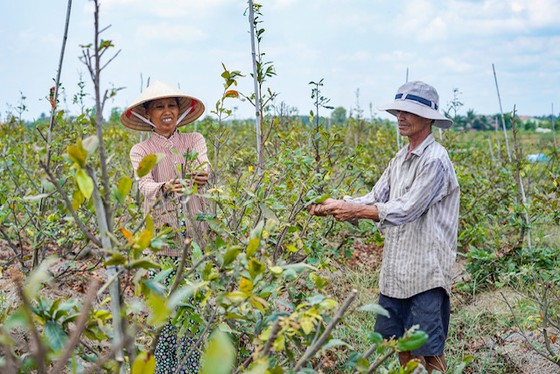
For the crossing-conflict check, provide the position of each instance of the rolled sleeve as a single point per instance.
(429, 187)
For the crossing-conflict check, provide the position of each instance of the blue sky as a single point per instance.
(361, 48)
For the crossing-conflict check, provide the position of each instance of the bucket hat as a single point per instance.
(134, 117)
(421, 99)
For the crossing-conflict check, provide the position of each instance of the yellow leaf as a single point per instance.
(127, 234)
(258, 303)
(78, 199)
(245, 285)
(147, 164)
(77, 153)
(142, 240)
(253, 246)
(145, 363)
(307, 325)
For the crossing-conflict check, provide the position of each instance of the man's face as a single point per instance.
(411, 125)
(163, 113)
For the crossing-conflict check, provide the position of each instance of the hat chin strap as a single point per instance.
(182, 117)
(144, 119)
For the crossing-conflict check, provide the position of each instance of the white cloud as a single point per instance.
(436, 30)
(455, 65)
(281, 4)
(165, 34)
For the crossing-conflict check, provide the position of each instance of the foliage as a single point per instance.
(257, 292)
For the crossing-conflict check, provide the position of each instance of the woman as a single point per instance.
(183, 166)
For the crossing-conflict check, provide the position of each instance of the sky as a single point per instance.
(362, 49)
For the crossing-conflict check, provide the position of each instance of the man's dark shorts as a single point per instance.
(430, 309)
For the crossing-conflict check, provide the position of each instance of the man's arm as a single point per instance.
(344, 211)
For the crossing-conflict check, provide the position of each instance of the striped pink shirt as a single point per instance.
(166, 210)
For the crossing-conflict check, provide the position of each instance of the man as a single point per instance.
(416, 205)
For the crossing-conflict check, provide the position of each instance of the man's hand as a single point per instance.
(340, 209)
(344, 211)
(319, 209)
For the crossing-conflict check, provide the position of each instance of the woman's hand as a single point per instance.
(200, 177)
(172, 186)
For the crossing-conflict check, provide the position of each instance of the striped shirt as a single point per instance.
(418, 203)
(166, 209)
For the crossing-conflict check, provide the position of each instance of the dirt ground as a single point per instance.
(514, 346)
(73, 276)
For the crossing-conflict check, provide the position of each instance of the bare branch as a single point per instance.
(312, 350)
(41, 353)
(80, 325)
(68, 204)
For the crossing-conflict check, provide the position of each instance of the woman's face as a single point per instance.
(163, 113)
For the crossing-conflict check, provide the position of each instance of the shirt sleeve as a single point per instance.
(429, 187)
(202, 150)
(147, 185)
(379, 192)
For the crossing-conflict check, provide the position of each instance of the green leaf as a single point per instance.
(412, 341)
(317, 199)
(16, 320)
(257, 231)
(219, 357)
(255, 267)
(85, 183)
(147, 164)
(143, 263)
(35, 280)
(376, 308)
(298, 267)
(335, 343)
(90, 144)
(315, 299)
(145, 363)
(253, 246)
(231, 255)
(55, 335)
(35, 197)
(123, 188)
(260, 366)
(375, 338)
(115, 260)
(159, 312)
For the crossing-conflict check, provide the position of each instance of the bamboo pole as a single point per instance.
(257, 91)
(519, 179)
(502, 113)
(55, 94)
(552, 124)
(57, 82)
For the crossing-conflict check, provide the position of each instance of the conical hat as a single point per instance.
(159, 90)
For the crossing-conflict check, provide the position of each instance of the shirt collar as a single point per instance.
(422, 147)
(162, 138)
